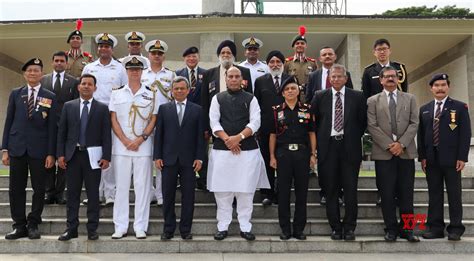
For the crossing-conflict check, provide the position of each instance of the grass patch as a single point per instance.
(371, 173)
(4, 172)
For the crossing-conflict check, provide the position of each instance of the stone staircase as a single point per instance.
(369, 230)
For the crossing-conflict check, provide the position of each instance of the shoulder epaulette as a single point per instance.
(118, 88)
(398, 63)
(288, 59)
(153, 89)
(166, 68)
(276, 107)
(310, 59)
(370, 65)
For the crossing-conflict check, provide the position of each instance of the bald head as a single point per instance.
(233, 78)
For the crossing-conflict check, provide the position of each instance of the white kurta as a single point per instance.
(236, 173)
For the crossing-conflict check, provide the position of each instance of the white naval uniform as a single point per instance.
(256, 70)
(150, 78)
(129, 163)
(109, 77)
(236, 176)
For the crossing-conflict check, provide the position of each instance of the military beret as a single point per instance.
(134, 61)
(190, 50)
(288, 80)
(300, 36)
(77, 31)
(438, 76)
(156, 45)
(33, 61)
(252, 42)
(227, 43)
(135, 37)
(277, 54)
(106, 38)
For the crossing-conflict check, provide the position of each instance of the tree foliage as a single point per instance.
(447, 11)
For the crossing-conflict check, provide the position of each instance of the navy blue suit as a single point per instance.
(195, 93)
(178, 147)
(454, 143)
(78, 169)
(29, 141)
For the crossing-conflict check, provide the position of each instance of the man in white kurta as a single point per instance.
(236, 167)
(133, 111)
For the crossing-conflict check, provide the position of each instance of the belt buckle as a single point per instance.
(293, 147)
(338, 137)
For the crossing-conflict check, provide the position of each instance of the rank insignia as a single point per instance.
(281, 115)
(105, 37)
(36, 61)
(45, 114)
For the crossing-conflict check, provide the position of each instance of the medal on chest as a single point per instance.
(453, 124)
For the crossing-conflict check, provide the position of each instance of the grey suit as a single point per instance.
(395, 175)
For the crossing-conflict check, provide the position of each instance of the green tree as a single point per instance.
(447, 11)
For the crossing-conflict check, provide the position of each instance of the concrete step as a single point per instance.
(203, 226)
(208, 210)
(233, 244)
(364, 196)
(364, 182)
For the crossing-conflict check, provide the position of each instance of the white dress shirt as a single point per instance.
(395, 95)
(324, 76)
(334, 98)
(37, 87)
(184, 106)
(164, 77)
(436, 106)
(256, 70)
(61, 78)
(222, 83)
(82, 106)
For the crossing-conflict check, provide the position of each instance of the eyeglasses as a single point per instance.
(390, 76)
(382, 49)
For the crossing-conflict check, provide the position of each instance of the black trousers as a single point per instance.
(187, 180)
(337, 172)
(19, 167)
(55, 182)
(435, 176)
(265, 150)
(395, 178)
(202, 180)
(292, 167)
(78, 171)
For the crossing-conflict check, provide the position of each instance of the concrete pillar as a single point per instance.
(469, 170)
(353, 59)
(208, 46)
(220, 6)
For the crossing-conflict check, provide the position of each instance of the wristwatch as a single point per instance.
(242, 136)
(144, 136)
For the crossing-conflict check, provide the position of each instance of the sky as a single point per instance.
(59, 9)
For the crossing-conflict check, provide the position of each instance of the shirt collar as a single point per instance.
(395, 93)
(142, 89)
(195, 69)
(61, 73)
(443, 101)
(90, 100)
(184, 102)
(385, 65)
(342, 91)
(36, 87)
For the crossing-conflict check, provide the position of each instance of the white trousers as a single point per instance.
(107, 183)
(157, 192)
(141, 168)
(224, 209)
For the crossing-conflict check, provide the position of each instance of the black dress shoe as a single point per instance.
(300, 236)
(390, 237)
(247, 236)
(336, 235)
(379, 201)
(323, 200)
(433, 235)
(60, 201)
(48, 200)
(167, 236)
(454, 237)
(285, 236)
(410, 237)
(16, 234)
(266, 202)
(92, 236)
(187, 236)
(68, 235)
(349, 235)
(154, 202)
(33, 233)
(220, 235)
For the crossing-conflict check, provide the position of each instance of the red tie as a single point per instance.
(328, 83)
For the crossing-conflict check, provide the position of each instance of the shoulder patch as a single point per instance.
(289, 58)
(118, 88)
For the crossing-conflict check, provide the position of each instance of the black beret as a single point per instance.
(438, 76)
(33, 61)
(227, 43)
(300, 36)
(288, 80)
(276, 53)
(190, 50)
(77, 31)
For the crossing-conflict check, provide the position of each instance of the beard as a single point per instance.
(276, 72)
(226, 63)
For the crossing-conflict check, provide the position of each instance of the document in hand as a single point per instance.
(95, 154)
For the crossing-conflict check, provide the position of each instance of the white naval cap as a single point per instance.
(156, 45)
(106, 38)
(135, 37)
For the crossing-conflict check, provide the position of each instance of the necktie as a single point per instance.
(328, 83)
(193, 78)
(180, 112)
(338, 117)
(392, 106)
(277, 83)
(57, 84)
(436, 124)
(31, 103)
(84, 117)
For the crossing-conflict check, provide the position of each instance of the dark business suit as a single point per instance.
(78, 170)
(315, 83)
(56, 179)
(370, 78)
(339, 160)
(267, 96)
(178, 147)
(441, 161)
(29, 141)
(194, 95)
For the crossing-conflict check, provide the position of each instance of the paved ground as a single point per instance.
(232, 257)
